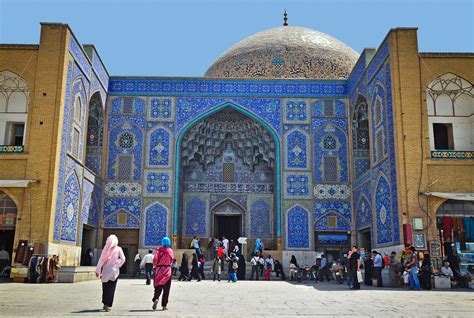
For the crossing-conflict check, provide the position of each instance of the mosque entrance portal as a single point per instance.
(227, 177)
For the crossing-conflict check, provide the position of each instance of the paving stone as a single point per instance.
(242, 299)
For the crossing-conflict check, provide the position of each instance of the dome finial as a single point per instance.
(285, 18)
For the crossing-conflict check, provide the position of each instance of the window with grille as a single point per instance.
(75, 142)
(124, 167)
(328, 108)
(332, 221)
(378, 112)
(128, 105)
(77, 110)
(228, 172)
(379, 145)
(330, 168)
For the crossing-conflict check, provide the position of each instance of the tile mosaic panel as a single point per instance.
(297, 185)
(297, 147)
(260, 219)
(114, 206)
(195, 221)
(298, 227)
(295, 111)
(226, 88)
(332, 191)
(123, 189)
(162, 109)
(155, 224)
(157, 183)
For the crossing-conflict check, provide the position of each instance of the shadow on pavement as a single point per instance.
(87, 311)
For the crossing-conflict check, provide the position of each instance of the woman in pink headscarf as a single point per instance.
(162, 262)
(108, 269)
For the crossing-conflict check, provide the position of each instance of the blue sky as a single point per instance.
(183, 37)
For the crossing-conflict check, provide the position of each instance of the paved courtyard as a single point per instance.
(243, 299)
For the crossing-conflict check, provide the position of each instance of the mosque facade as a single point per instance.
(291, 137)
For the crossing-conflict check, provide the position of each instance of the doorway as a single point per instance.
(228, 225)
(365, 239)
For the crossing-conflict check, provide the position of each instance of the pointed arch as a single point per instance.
(363, 212)
(95, 134)
(156, 224)
(330, 165)
(158, 150)
(383, 209)
(297, 147)
(450, 106)
(297, 219)
(70, 207)
(205, 115)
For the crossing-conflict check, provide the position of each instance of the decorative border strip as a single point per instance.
(11, 149)
(452, 154)
(219, 87)
(228, 187)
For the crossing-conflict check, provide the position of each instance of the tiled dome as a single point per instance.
(286, 52)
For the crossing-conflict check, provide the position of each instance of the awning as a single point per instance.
(461, 196)
(16, 183)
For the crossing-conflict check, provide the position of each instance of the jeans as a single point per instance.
(232, 277)
(254, 270)
(414, 278)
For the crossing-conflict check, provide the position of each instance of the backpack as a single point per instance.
(383, 262)
(191, 244)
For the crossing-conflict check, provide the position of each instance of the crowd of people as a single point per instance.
(160, 266)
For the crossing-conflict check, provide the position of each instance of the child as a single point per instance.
(268, 270)
(406, 277)
(201, 263)
(233, 266)
(216, 268)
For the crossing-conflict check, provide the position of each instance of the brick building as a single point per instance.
(291, 137)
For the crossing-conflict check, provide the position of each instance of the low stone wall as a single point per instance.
(75, 274)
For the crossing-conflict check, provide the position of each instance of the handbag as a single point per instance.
(359, 277)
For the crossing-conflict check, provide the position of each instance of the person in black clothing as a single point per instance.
(184, 269)
(369, 269)
(241, 269)
(279, 270)
(354, 266)
(194, 269)
(425, 277)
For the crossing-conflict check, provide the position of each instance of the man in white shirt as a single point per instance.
(255, 261)
(324, 269)
(446, 270)
(147, 262)
(225, 242)
(377, 258)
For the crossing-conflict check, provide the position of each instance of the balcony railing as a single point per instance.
(452, 154)
(11, 149)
